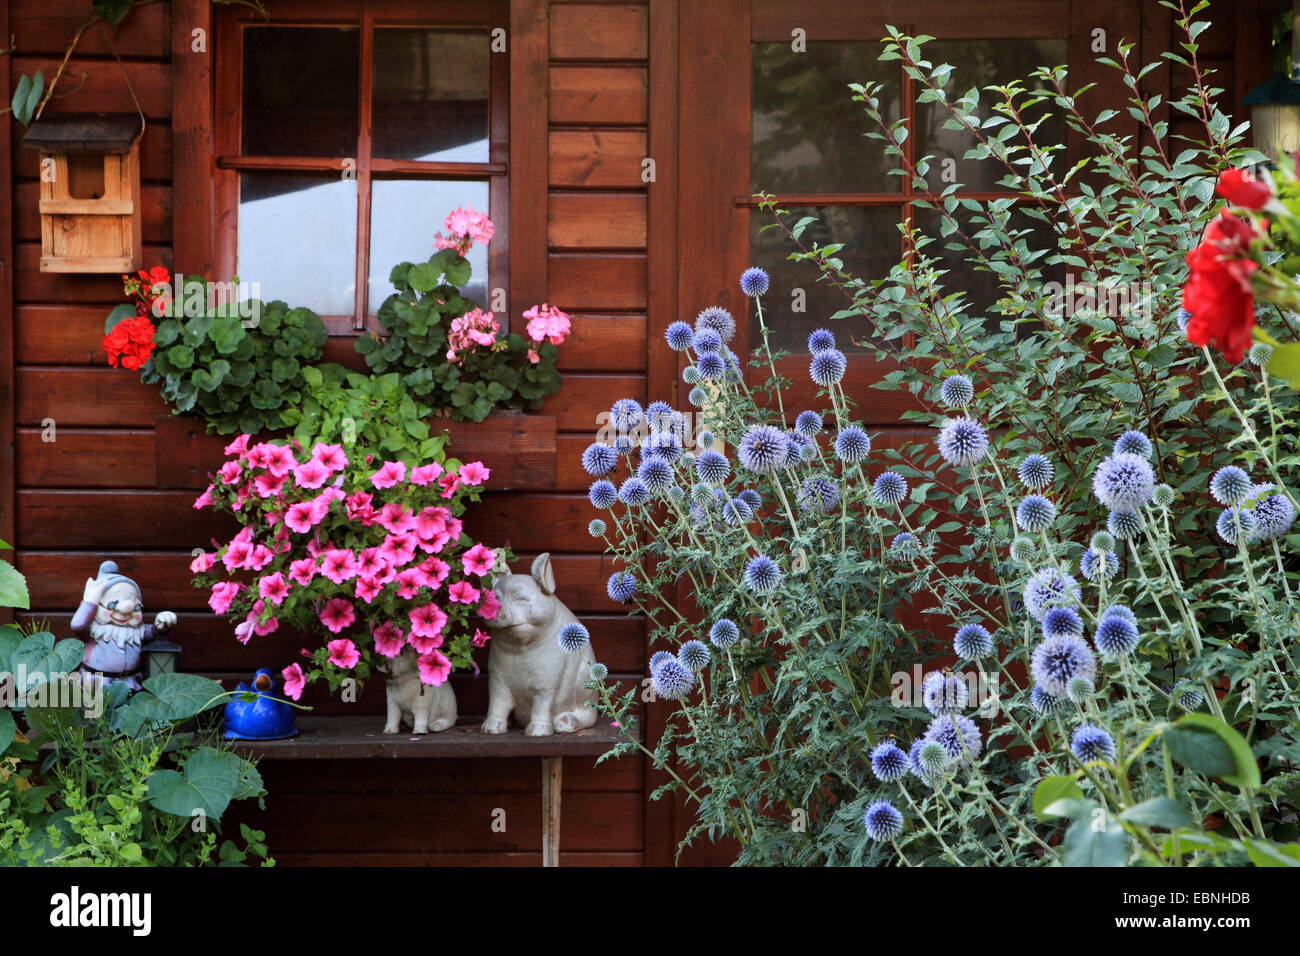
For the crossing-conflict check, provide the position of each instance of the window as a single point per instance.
(346, 135)
(807, 147)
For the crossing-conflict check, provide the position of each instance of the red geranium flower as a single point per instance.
(1218, 293)
(1241, 188)
(130, 343)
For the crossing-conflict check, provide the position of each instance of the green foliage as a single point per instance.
(13, 586)
(27, 96)
(417, 320)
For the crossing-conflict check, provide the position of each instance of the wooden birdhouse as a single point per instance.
(90, 192)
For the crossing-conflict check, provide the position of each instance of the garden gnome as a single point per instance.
(528, 672)
(111, 622)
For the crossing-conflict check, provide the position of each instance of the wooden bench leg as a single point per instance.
(552, 784)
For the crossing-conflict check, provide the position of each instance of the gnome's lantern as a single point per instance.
(111, 622)
(90, 192)
(160, 657)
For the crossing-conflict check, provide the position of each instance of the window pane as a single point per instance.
(298, 239)
(300, 91)
(872, 246)
(430, 98)
(984, 63)
(404, 215)
(807, 133)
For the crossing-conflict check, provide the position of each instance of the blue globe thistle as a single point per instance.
(882, 821)
(1035, 471)
(672, 680)
(1043, 702)
(707, 340)
(1035, 513)
(695, 655)
(596, 528)
(827, 367)
(656, 474)
(1059, 660)
(1090, 743)
(1049, 588)
(658, 658)
(599, 459)
(737, 512)
(956, 391)
(733, 367)
(1163, 496)
(1133, 442)
(762, 574)
(656, 410)
(904, 543)
(890, 488)
(1188, 696)
(808, 424)
(753, 282)
(698, 397)
(1124, 482)
(573, 637)
(752, 498)
(711, 365)
(1023, 549)
(712, 467)
(820, 340)
(679, 336)
(1124, 525)
(623, 445)
(797, 443)
(598, 672)
(972, 642)
(724, 633)
(914, 762)
(1230, 485)
(676, 494)
(705, 439)
(1062, 622)
(718, 319)
(633, 492)
(1103, 541)
(852, 445)
(943, 692)
(1124, 611)
(702, 494)
(763, 449)
(626, 415)
(963, 442)
(1182, 317)
(665, 445)
(1274, 516)
(888, 762)
(621, 586)
(691, 376)
(957, 735)
(1094, 565)
(602, 493)
(820, 495)
(1081, 690)
(1226, 526)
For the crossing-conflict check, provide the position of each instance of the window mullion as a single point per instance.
(363, 165)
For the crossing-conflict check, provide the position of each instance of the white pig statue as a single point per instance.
(528, 672)
(425, 707)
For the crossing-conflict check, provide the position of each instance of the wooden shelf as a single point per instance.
(345, 738)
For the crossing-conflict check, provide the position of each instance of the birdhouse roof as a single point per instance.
(84, 133)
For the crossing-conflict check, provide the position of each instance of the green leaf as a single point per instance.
(1265, 853)
(423, 277)
(1210, 746)
(27, 96)
(1158, 812)
(112, 12)
(44, 657)
(206, 782)
(1192, 840)
(1052, 789)
(13, 587)
(1102, 842)
(7, 728)
(184, 695)
(1285, 363)
(120, 312)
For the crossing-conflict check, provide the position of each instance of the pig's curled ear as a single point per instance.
(543, 573)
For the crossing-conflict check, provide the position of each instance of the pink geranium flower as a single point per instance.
(302, 570)
(426, 473)
(390, 474)
(279, 460)
(435, 668)
(331, 456)
(478, 560)
(343, 653)
(337, 614)
(222, 594)
(462, 592)
(294, 681)
(339, 565)
(474, 473)
(490, 606)
(311, 474)
(389, 639)
(273, 588)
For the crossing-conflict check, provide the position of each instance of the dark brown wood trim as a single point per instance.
(529, 45)
(192, 147)
(7, 338)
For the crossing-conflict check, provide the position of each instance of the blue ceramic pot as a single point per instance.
(266, 717)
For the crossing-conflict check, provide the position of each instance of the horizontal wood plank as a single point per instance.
(583, 397)
(33, 285)
(597, 281)
(598, 95)
(155, 156)
(603, 342)
(597, 221)
(102, 90)
(598, 32)
(597, 159)
(41, 27)
(84, 458)
(86, 396)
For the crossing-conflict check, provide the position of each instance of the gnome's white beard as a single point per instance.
(123, 635)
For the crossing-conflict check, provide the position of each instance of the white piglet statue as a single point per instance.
(426, 708)
(528, 672)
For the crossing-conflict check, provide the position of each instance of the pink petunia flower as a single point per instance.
(390, 474)
(244, 629)
(301, 517)
(462, 592)
(302, 570)
(396, 518)
(359, 508)
(337, 614)
(268, 485)
(449, 483)
(273, 588)
(431, 522)
(428, 620)
(435, 571)
(204, 500)
(409, 583)
(260, 557)
(478, 560)
(237, 555)
(256, 455)
(389, 639)
(425, 474)
(230, 472)
(435, 668)
(474, 473)
(238, 446)
(367, 588)
(490, 606)
(222, 594)
(311, 474)
(398, 549)
(331, 456)
(371, 562)
(294, 681)
(343, 653)
(279, 460)
(202, 562)
(480, 637)
(339, 565)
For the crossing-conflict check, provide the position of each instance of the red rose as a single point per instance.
(1241, 188)
(1218, 293)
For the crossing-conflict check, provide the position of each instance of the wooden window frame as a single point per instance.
(366, 15)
